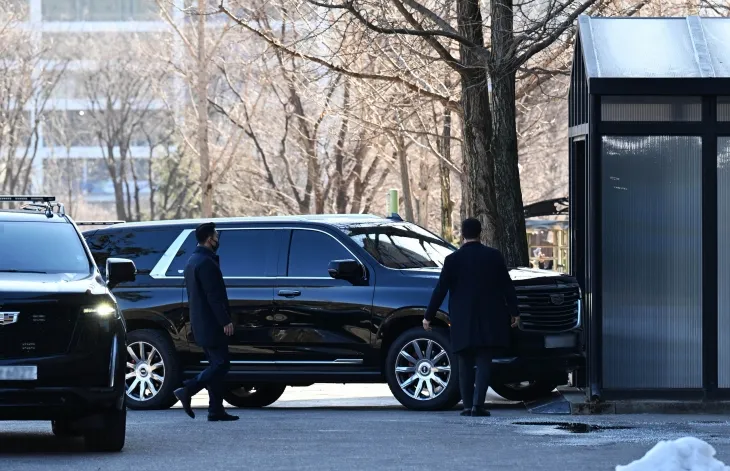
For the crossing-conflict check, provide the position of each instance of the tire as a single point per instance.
(64, 429)
(525, 391)
(433, 375)
(160, 395)
(111, 437)
(253, 396)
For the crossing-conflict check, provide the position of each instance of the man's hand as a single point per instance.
(426, 325)
(515, 322)
(228, 330)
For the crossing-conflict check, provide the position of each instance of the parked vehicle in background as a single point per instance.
(324, 299)
(62, 335)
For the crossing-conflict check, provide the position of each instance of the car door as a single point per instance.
(248, 261)
(320, 320)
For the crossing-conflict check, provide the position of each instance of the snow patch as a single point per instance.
(684, 454)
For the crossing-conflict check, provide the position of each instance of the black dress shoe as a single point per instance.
(184, 397)
(224, 417)
(465, 413)
(480, 412)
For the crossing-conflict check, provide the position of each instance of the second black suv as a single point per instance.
(324, 299)
(62, 335)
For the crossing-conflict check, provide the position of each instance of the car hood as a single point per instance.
(50, 283)
(520, 276)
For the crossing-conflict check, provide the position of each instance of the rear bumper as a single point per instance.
(532, 367)
(57, 403)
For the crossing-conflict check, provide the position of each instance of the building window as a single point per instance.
(99, 10)
(723, 109)
(651, 108)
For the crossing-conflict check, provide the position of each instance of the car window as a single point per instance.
(42, 247)
(311, 252)
(177, 266)
(143, 247)
(402, 246)
(246, 252)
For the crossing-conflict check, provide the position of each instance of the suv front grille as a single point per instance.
(41, 329)
(548, 308)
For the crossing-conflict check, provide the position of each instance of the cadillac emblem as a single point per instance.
(557, 299)
(7, 318)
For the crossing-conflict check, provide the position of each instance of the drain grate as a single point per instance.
(574, 427)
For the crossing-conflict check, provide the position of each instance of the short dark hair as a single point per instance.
(471, 228)
(204, 231)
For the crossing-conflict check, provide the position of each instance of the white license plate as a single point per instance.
(560, 341)
(18, 373)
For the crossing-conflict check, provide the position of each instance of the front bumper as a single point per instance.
(550, 365)
(57, 403)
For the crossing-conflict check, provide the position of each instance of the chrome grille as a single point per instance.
(549, 308)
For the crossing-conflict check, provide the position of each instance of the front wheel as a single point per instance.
(526, 390)
(111, 436)
(421, 370)
(152, 372)
(253, 396)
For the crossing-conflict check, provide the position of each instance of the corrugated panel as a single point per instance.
(651, 108)
(717, 37)
(723, 108)
(643, 47)
(723, 261)
(652, 262)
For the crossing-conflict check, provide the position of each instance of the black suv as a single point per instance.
(324, 299)
(62, 336)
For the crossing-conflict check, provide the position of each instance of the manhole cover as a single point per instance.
(573, 427)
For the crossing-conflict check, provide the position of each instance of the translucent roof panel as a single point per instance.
(689, 47)
(717, 35)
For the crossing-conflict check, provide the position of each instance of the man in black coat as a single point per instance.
(211, 323)
(482, 306)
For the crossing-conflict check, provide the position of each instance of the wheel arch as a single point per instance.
(402, 320)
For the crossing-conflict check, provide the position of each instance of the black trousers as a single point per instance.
(474, 382)
(212, 377)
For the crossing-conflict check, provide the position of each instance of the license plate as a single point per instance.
(18, 373)
(560, 341)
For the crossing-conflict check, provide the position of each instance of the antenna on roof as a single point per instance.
(36, 203)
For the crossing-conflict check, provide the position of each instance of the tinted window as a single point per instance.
(246, 252)
(402, 246)
(143, 247)
(311, 253)
(177, 267)
(42, 247)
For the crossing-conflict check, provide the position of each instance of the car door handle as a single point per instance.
(289, 293)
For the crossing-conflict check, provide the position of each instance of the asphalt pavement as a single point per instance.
(361, 428)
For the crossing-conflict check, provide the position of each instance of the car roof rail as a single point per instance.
(98, 223)
(43, 203)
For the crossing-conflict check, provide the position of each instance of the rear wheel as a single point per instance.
(111, 436)
(152, 372)
(526, 390)
(253, 395)
(421, 371)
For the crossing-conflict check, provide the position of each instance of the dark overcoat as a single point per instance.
(207, 298)
(482, 298)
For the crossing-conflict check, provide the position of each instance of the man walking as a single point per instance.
(481, 301)
(211, 322)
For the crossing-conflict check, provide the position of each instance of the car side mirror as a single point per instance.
(119, 270)
(349, 270)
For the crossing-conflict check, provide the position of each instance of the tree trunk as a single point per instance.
(206, 182)
(405, 180)
(477, 128)
(447, 206)
(504, 140)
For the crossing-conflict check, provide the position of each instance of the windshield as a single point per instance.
(402, 246)
(41, 247)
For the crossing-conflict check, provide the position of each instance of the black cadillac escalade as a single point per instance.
(62, 335)
(324, 299)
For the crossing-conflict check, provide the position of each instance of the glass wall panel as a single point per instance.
(651, 108)
(723, 108)
(652, 262)
(723, 261)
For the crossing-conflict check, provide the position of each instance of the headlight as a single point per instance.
(102, 310)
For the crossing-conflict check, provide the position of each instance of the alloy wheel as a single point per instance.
(145, 371)
(423, 369)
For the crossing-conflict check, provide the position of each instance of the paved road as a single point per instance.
(337, 432)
